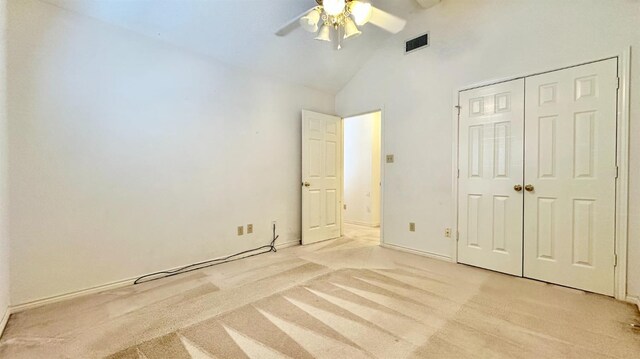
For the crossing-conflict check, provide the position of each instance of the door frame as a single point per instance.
(622, 144)
(382, 169)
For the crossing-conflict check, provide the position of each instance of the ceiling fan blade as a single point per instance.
(292, 24)
(386, 21)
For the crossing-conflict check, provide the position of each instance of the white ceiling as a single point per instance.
(241, 33)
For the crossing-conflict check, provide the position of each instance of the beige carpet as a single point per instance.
(346, 298)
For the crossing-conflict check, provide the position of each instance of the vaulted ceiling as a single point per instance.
(241, 34)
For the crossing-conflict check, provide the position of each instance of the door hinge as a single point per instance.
(459, 108)
(615, 260)
(618, 84)
(617, 172)
(457, 236)
(458, 173)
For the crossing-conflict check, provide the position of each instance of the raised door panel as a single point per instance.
(546, 228)
(315, 209)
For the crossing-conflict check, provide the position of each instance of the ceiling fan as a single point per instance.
(337, 20)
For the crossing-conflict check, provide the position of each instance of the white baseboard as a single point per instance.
(633, 300)
(100, 288)
(71, 295)
(417, 252)
(372, 225)
(4, 320)
(288, 244)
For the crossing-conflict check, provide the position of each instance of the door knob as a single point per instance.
(517, 187)
(529, 188)
(306, 184)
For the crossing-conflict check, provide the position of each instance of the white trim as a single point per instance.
(383, 156)
(71, 295)
(622, 184)
(288, 244)
(342, 177)
(364, 224)
(415, 251)
(633, 300)
(529, 74)
(454, 177)
(4, 320)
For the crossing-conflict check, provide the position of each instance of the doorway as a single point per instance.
(327, 213)
(361, 208)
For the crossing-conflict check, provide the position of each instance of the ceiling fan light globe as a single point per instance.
(309, 27)
(350, 29)
(361, 12)
(333, 7)
(312, 29)
(324, 34)
(309, 22)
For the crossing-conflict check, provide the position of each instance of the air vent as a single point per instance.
(417, 43)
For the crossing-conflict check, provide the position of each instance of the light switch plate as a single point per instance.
(412, 227)
(240, 230)
(390, 158)
(249, 228)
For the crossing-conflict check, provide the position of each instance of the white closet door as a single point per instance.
(570, 163)
(490, 162)
(321, 177)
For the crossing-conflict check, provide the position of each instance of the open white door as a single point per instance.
(321, 177)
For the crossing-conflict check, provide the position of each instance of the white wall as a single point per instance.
(128, 155)
(474, 41)
(362, 169)
(4, 238)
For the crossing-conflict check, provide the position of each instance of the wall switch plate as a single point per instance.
(249, 228)
(344, 206)
(390, 158)
(412, 227)
(240, 230)
(447, 232)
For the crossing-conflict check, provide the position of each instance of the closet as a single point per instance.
(537, 176)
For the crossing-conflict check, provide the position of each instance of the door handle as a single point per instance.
(306, 184)
(529, 188)
(517, 188)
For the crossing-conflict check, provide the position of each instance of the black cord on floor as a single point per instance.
(210, 263)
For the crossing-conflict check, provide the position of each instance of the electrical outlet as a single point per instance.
(412, 227)
(249, 228)
(390, 158)
(447, 232)
(240, 230)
